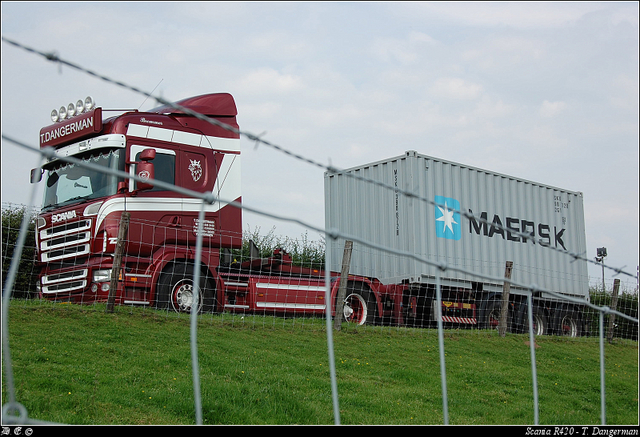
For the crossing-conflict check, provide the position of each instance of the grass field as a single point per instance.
(79, 365)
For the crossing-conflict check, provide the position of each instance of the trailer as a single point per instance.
(472, 220)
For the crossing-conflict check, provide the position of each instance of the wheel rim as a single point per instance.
(538, 325)
(355, 309)
(569, 326)
(494, 318)
(183, 296)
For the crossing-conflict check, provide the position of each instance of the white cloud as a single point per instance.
(519, 15)
(408, 50)
(275, 43)
(268, 81)
(624, 93)
(487, 108)
(551, 109)
(456, 88)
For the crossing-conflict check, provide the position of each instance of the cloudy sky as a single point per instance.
(544, 91)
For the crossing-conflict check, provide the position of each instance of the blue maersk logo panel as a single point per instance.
(447, 218)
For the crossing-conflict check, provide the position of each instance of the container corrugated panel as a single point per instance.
(435, 230)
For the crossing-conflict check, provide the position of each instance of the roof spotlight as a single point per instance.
(79, 107)
(88, 103)
(54, 116)
(71, 110)
(63, 112)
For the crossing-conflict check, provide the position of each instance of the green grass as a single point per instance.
(79, 365)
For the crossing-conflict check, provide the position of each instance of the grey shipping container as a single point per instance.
(553, 219)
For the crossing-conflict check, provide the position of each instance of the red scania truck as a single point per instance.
(77, 229)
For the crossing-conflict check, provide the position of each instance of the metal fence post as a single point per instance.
(195, 366)
(7, 290)
(327, 299)
(532, 346)
(602, 388)
(443, 370)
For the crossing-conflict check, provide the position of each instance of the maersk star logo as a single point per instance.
(447, 218)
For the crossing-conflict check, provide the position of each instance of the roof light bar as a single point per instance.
(71, 109)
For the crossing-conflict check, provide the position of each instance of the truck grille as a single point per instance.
(64, 282)
(65, 241)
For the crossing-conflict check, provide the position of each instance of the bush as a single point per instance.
(627, 304)
(304, 252)
(27, 275)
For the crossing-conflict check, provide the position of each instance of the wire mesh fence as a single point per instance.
(272, 275)
(269, 280)
(186, 263)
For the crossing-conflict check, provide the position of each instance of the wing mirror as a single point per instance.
(145, 169)
(36, 175)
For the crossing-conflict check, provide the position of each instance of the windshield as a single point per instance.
(71, 183)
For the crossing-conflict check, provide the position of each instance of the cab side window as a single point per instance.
(164, 168)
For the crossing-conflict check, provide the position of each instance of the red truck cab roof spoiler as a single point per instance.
(214, 105)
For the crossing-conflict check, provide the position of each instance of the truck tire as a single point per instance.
(568, 323)
(359, 306)
(540, 321)
(175, 291)
(418, 311)
(490, 316)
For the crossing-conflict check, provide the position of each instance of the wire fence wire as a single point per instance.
(53, 57)
(19, 249)
(434, 311)
(261, 255)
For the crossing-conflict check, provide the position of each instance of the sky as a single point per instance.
(545, 91)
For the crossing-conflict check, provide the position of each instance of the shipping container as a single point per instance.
(471, 219)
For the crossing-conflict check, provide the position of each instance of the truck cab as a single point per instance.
(82, 207)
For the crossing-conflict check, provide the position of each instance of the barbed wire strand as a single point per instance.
(332, 233)
(208, 197)
(53, 57)
(335, 234)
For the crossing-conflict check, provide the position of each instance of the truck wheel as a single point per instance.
(359, 307)
(491, 314)
(540, 323)
(175, 290)
(418, 311)
(567, 323)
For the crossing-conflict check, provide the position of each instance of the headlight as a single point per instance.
(71, 110)
(92, 209)
(101, 275)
